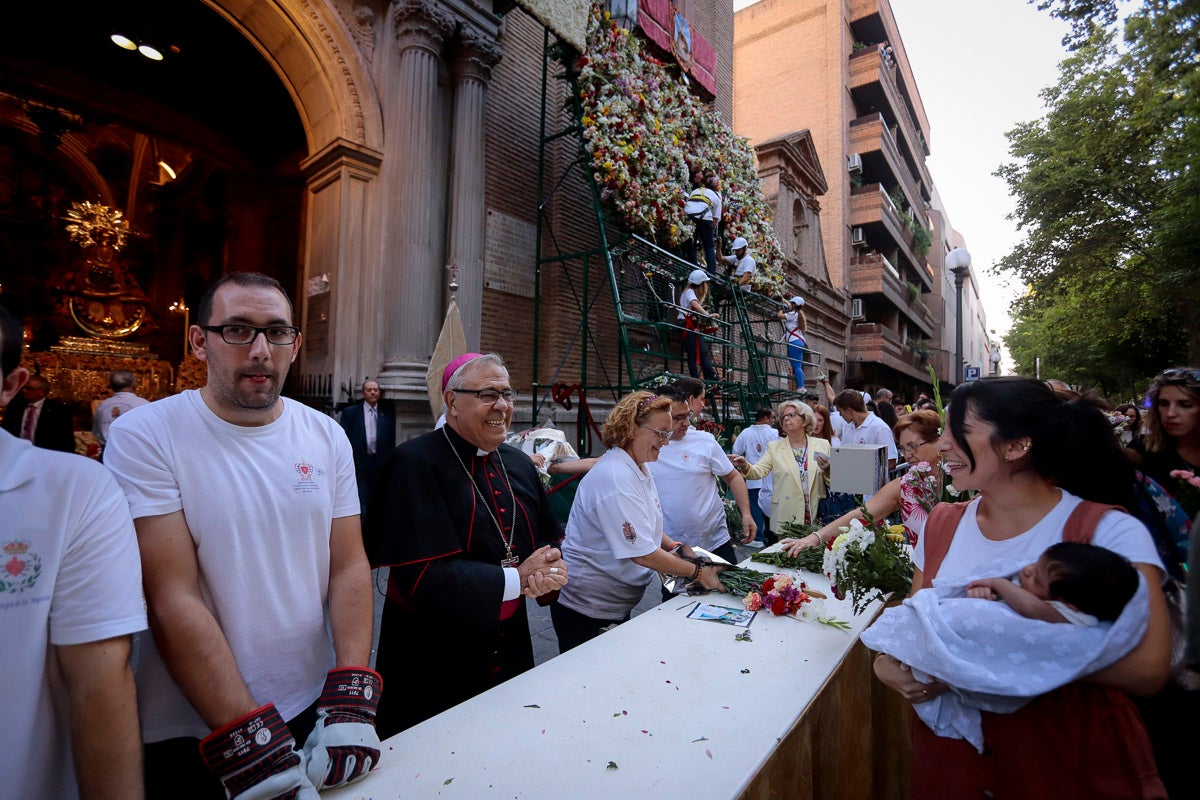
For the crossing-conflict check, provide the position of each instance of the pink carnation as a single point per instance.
(753, 601)
(1186, 475)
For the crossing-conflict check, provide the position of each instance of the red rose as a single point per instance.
(779, 607)
(768, 584)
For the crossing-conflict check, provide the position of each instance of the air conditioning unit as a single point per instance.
(856, 308)
(857, 237)
(854, 163)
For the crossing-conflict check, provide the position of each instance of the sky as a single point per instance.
(979, 67)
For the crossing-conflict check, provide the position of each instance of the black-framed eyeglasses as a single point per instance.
(1179, 375)
(489, 396)
(239, 334)
(664, 435)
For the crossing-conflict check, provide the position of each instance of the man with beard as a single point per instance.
(462, 521)
(246, 513)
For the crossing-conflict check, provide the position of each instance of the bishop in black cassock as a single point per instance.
(447, 634)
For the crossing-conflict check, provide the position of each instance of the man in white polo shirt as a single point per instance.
(685, 472)
(862, 426)
(751, 444)
(70, 599)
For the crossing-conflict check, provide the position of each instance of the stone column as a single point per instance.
(471, 72)
(412, 285)
(336, 341)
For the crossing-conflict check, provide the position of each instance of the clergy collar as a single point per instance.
(462, 445)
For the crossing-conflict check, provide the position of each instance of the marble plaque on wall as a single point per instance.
(510, 254)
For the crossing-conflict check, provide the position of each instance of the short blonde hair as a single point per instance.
(633, 409)
(803, 409)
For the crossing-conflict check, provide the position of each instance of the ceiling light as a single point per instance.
(150, 53)
(124, 42)
(165, 167)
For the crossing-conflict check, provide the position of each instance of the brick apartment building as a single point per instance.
(839, 71)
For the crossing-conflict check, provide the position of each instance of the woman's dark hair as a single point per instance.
(1124, 408)
(886, 412)
(1070, 442)
(1094, 579)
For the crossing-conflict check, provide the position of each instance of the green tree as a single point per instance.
(1109, 198)
(1093, 332)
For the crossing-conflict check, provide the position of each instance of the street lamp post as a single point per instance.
(958, 261)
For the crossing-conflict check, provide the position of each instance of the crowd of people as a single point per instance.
(234, 531)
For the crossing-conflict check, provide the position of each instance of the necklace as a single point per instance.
(509, 560)
(801, 456)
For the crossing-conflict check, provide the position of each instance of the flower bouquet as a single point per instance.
(1187, 490)
(868, 561)
(778, 593)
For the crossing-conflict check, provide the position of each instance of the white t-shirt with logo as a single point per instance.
(693, 512)
(259, 502)
(69, 574)
(615, 518)
(752, 443)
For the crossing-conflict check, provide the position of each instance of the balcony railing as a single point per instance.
(871, 205)
(868, 67)
(873, 342)
(874, 274)
(871, 133)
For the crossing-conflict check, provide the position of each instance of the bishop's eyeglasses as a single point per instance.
(489, 396)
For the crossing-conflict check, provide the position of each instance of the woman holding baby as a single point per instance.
(1045, 471)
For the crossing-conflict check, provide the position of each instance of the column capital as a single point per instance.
(328, 163)
(477, 54)
(422, 24)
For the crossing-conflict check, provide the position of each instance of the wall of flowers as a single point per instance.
(647, 133)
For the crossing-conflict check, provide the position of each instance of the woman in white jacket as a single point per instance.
(798, 465)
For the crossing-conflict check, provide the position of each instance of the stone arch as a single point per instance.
(319, 65)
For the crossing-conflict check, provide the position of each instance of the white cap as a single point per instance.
(797, 301)
(738, 243)
(697, 277)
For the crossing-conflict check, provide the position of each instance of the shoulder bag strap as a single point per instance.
(1081, 525)
(939, 532)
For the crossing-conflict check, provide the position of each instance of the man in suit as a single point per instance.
(371, 428)
(34, 416)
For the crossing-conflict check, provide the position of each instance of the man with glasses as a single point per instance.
(692, 506)
(247, 519)
(461, 520)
